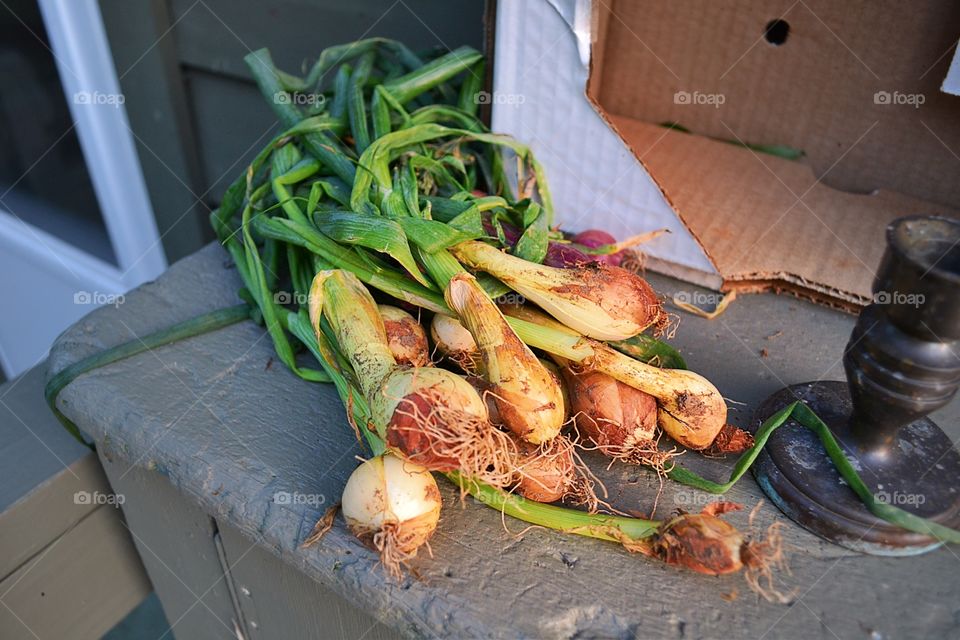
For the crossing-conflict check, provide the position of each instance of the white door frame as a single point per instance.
(80, 48)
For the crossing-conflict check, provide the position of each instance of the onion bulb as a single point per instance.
(528, 397)
(393, 505)
(599, 301)
(405, 336)
(690, 409)
(545, 475)
(440, 421)
(620, 420)
(553, 471)
(707, 544)
(456, 344)
(432, 415)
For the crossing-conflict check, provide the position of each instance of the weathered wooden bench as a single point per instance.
(202, 435)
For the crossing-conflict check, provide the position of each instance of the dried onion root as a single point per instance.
(731, 439)
(554, 471)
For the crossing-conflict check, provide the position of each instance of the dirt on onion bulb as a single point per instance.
(529, 399)
(405, 336)
(599, 301)
(432, 415)
(393, 505)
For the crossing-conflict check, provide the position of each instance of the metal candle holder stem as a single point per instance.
(902, 362)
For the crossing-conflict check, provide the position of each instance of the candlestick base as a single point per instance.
(917, 471)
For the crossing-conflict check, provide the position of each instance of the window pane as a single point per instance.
(43, 176)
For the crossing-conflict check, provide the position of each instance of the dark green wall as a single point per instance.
(195, 113)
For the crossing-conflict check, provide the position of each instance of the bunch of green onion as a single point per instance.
(392, 182)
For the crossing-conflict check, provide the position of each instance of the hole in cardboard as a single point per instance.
(864, 134)
(776, 32)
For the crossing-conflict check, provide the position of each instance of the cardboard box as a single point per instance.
(854, 86)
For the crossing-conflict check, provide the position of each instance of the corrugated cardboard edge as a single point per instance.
(848, 292)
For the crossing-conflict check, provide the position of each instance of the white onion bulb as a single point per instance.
(394, 505)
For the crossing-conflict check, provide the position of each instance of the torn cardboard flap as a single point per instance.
(763, 219)
(856, 90)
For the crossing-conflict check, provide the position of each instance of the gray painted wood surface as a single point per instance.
(176, 541)
(279, 601)
(67, 566)
(79, 586)
(219, 419)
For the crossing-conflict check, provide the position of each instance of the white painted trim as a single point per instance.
(39, 249)
(82, 53)
(39, 256)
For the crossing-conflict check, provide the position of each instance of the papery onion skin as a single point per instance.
(455, 343)
(701, 542)
(599, 301)
(437, 419)
(613, 415)
(410, 397)
(554, 372)
(407, 339)
(483, 387)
